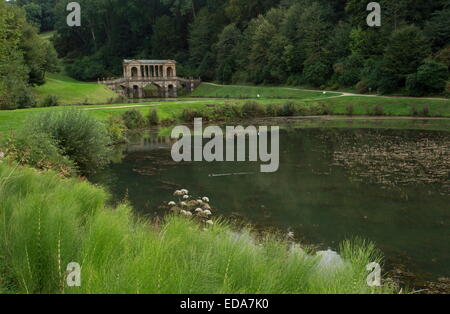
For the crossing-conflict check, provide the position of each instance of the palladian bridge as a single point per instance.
(150, 78)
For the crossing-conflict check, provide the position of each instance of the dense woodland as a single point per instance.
(320, 43)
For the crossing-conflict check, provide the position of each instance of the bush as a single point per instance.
(167, 122)
(152, 117)
(362, 87)
(38, 150)
(377, 110)
(272, 110)
(188, 115)
(323, 109)
(133, 119)
(349, 109)
(50, 101)
(253, 109)
(425, 110)
(288, 110)
(81, 138)
(226, 112)
(414, 111)
(116, 129)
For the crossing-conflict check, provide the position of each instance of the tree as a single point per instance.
(406, 50)
(226, 52)
(431, 78)
(316, 70)
(165, 42)
(438, 29)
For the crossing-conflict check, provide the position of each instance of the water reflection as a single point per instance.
(388, 186)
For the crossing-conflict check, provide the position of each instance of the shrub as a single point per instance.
(272, 110)
(152, 117)
(323, 109)
(377, 110)
(426, 110)
(414, 111)
(38, 150)
(349, 109)
(83, 139)
(167, 122)
(116, 129)
(50, 101)
(188, 115)
(253, 109)
(226, 112)
(133, 119)
(288, 110)
(362, 86)
(447, 90)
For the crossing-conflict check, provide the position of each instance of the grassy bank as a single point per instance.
(48, 222)
(361, 106)
(70, 91)
(237, 91)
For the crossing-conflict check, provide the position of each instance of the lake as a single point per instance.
(384, 180)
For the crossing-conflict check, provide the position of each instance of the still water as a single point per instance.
(390, 186)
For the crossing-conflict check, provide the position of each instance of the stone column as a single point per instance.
(175, 91)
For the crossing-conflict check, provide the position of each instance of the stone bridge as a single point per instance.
(150, 78)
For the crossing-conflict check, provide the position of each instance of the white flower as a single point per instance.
(183, 204)
(210, 222)
(186, 197)
(205, 199)
(200, 202)
(172, 203)
(185, 192)
(199, 210)
(178, 193)
(207, 212)
(186, 213)
(2, 155)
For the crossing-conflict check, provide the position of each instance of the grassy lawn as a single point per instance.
(235, 91)
(393, 106)
(70, 91)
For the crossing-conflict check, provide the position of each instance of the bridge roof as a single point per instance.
(149, 61)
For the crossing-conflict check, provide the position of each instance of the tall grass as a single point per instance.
(47, 222)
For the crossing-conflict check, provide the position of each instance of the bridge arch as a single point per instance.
(169, 72)
(134, 72)
(152, 90)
